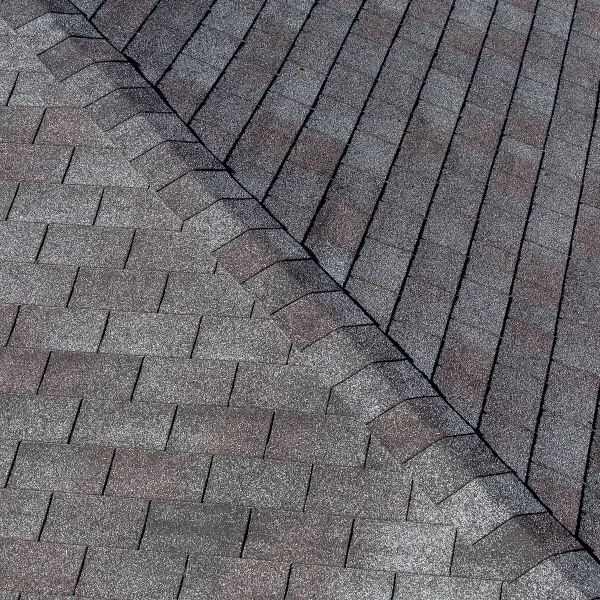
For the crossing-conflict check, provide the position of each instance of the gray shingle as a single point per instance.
(22, 513)
(37, 418)
(133, 207)
(123, 424)
(170, 251)
(315, 438)
(84, 245)
(30, 163)
(195, 528)
(279, 387)
(156, 474)
(311, 582)
(356, 492)
(95, 521)
(231, 578)
(298, 537)
(36, 284)
(130, 573)
(39, 567)
(83, 374)
(155, 335)
(241, 339)
(60, 467)
(20, 242)
(19, 124)
(184, 381)
(59, 328)
(207, 295)
(393, 546)
(21, 369)
(257, 482)
(51, 203)
(415, 587)
(116, 289)
(99, 166)
(220, 430)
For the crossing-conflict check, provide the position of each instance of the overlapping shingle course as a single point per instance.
(205, 485)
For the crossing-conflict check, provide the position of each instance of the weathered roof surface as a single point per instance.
(192, 408)
(439, 160)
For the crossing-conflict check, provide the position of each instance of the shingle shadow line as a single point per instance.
(185, 44)
(224, 69)
(273, 79)
(444, 160)
(383, 189)
(521, 244)
(12, 89)
(137, 31)
(311, 108)
(323, 199)
(193, 170)
(561, 300)
(121, 89)
(588, 461)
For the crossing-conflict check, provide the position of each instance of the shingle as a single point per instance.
(220, 430)
(279, 387)
(22, 513)
(60, 467)
(131, 207)
(315, 438)
(257, 482)
(51, 203)
(531, 539)
(170, 251)
(20, 242)
(82, 374)
(377, 388)
(84, 245)
(116, 289)
(39, 567)
(195, 528)
(152, 334)
(311, 582)
(33, 163)
(241, 339)
(59, 328)
(170, 160)
(36, 284)
(99, 166)
(232, 578)
(70, 127)
(19, 124)
(123, 424)
(95, 521)
(7, 194)
(128, 574)
(298, 537)
(392, 546)
(156, 474)
(423, 587)
(357, 492)
(21, 370)
(37, 418)
(207, 295)
(184, 381)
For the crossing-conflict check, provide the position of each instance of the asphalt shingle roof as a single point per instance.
(191, 406)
